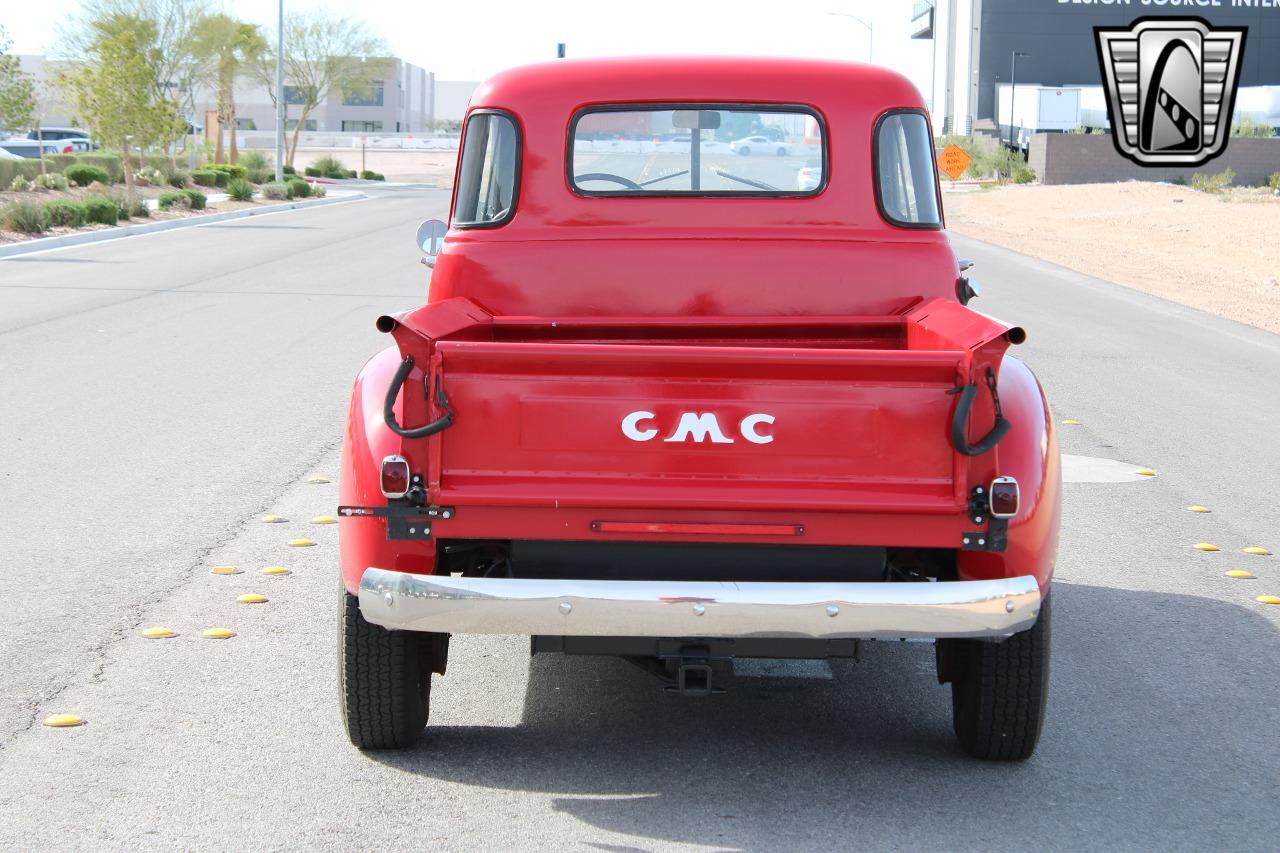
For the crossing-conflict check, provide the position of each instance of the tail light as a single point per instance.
(68, 149)
(395, 476)
(1005, 497)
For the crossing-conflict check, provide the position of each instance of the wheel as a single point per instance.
(745, 150)
(998, 690)
(385, 679)
(782, 152)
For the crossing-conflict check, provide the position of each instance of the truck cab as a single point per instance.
(686, 405)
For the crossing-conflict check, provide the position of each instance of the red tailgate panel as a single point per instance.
(541, 424)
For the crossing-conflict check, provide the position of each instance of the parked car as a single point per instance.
(809, 176)
(7, 155)
(31, 148)
(698, 416)
(760, 145)
(77, 137)
(682, 143)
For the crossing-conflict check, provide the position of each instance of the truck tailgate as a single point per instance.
(542, 424)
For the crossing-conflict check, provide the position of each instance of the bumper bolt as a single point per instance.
(566, 608)
(699, 609)
(832, 610)
(1008, 607)
(389, 598)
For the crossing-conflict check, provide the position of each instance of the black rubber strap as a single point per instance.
(388, 407)
(960, 423)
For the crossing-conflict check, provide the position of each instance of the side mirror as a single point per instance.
(430, 238)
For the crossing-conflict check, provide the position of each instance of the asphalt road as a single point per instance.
(160, 394)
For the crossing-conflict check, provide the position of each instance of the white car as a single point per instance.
(760, 145)
(809, 176)
(680, 145)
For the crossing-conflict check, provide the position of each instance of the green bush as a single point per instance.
(1212, 183)
(232, 169)
(198, 199)
(254, 160)
(179, 179)
(1274, 182)
(1256, 129)
(328, 164)
(109, 163)
(123, 204)
(65, 212)
(173, 198)
(209, 178)
(260, 174)
(1023, 175)
(20, 184)
(52, 181)
(26, 217)
(277, 192)
(10, 169)
(59, 162)
(289, 170)
(138, 208)
(311, 172)
(318, 191)
(101, 209)
(301, 189)
(240, 189)
(83, 174)
(370, 175)
(351, 173)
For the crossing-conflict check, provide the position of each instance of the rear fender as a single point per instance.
(363, 540)
(1029, 453)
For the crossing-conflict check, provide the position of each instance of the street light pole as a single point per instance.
(871, 33)
(279, 92)
(1013, 90)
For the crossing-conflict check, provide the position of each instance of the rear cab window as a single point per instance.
(697, 150)
(488, 171)
(906, 180)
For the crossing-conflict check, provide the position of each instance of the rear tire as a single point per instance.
(999, 690)
(745, 151)
(385, 679)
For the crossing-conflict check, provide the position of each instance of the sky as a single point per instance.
(462, 40)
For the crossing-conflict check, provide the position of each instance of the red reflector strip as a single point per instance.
(696, 528)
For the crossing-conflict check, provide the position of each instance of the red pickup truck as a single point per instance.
(687, 401)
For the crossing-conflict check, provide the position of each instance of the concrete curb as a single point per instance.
(46, 243)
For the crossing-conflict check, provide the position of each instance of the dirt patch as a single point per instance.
(1217, 253)
(419, 167)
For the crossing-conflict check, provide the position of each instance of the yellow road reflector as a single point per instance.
(1204, 546)
(300, 543)
(1198, 508)
(63, 721)
(225, 570)
(1070, 422)
(1254, 549)
(324, 519)
(1146, 472)
(218, 633)
(252, 598)
(1268, 599)
(1239, 573)
(275, 570)
(158, 633)
(317, 479)
(274, 519)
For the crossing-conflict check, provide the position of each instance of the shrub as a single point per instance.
(311, 172)
(101, 209)
(83, 174)
(123, 203)
(52, 181)
(1212, 183)
(301, 189)
(20, 184)
(254, 160)
(65, 213)
(26, 217)
(328, 164)
(351, 173)
(1023, 175)
(109, 163)
(260, 174)
(1249, 127)
(150, 175)
(138, 208)
(198, 199)
(318, 191)
(171, 199)
(233, 170)
(370, 175)
(277, 192)
(209, 178)
(289, 170)
(179, 179)
(240, 189)
(1274, 182)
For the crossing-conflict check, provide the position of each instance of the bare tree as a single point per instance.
(324, 55)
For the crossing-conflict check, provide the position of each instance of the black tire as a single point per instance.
(745, 151)
(999, 690)
(385, 679)
(782, 152)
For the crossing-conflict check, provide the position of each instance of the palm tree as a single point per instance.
(226, 47)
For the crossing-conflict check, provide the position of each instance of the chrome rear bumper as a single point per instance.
(591, 608)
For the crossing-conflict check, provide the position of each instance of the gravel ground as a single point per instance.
(1217, 253)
